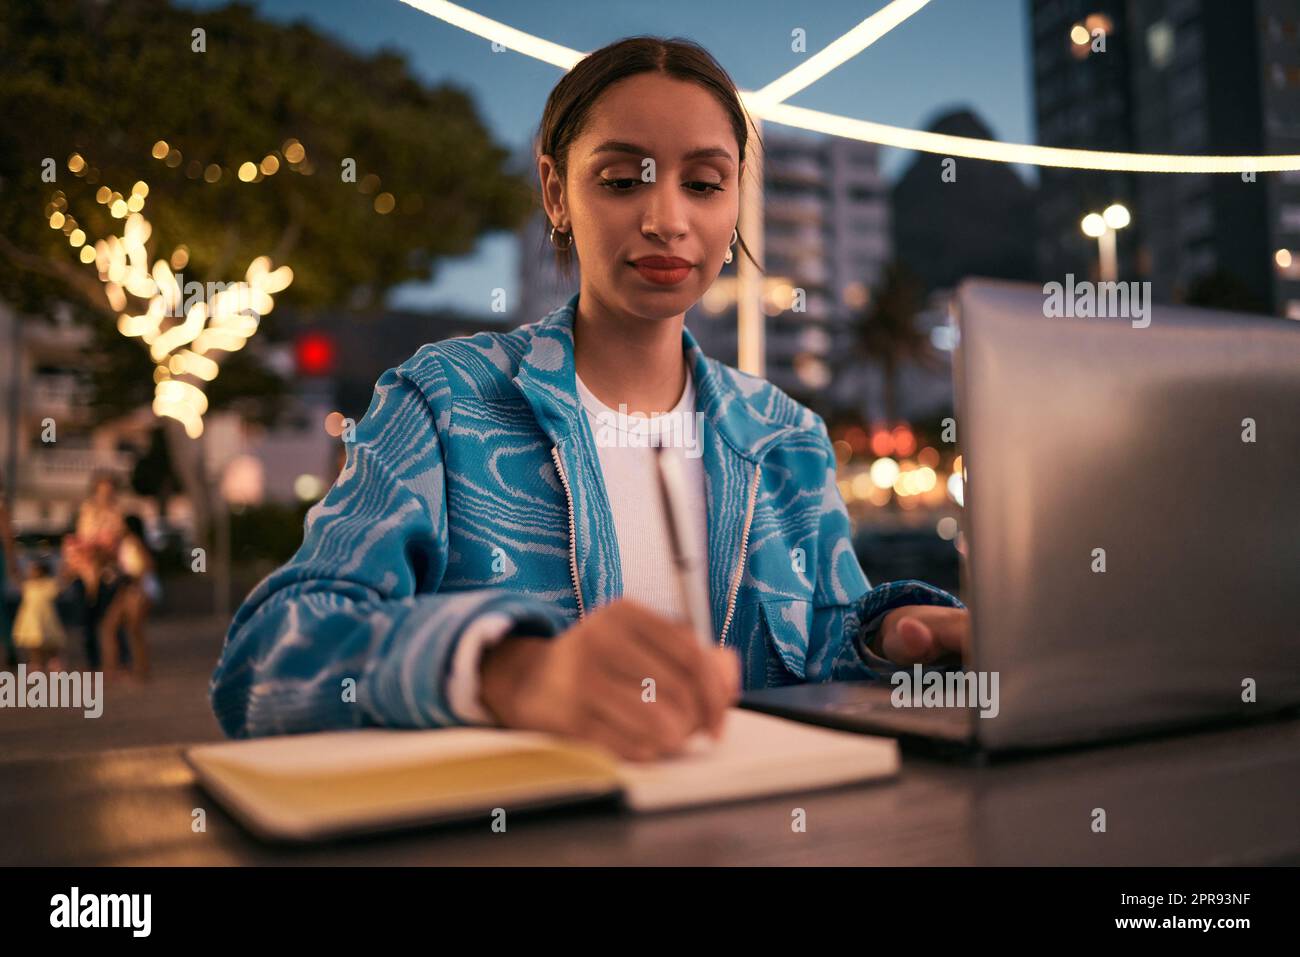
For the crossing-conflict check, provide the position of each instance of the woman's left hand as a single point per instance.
(924, 634)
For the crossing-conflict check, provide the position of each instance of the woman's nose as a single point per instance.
(665, 214)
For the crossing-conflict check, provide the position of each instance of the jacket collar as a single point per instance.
(547, 379)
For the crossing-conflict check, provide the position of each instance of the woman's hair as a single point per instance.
(572, 98)
(135, 526)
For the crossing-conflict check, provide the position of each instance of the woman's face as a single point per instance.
(621, 207)
(104, 493)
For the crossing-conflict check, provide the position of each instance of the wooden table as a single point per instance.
(1224, 797)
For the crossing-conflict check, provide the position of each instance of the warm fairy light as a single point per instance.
(883, 472)
(191, 363)
(270, 164)
(247, 171)
(222, 323)
(1093, 225)
(76, 163)
(384, 203)
(116, 296)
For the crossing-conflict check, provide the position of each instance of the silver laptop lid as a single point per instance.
(1084, 434)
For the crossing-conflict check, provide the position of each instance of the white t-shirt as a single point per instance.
(625, 444)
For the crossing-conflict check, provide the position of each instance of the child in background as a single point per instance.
(37, 629)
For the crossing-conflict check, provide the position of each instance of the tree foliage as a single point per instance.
(109, 80)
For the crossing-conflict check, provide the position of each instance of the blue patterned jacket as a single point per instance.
(472, 485)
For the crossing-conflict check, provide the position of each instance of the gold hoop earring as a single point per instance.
(568, 245)
(735, 238)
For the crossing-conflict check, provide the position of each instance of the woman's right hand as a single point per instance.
(590, 682)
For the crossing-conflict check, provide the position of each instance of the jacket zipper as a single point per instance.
(573, 535)
(740, 566)
(744, 547)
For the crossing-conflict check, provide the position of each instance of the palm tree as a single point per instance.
(885, 330)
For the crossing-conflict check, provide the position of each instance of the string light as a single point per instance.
(498, 32)
(972, 148)
(842, 49)
(766, 104)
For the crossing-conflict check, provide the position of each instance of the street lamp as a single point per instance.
(1102, 227)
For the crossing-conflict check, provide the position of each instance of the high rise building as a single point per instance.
(1175, 76)
(962, 217)
(1081, 75)
(826, 242)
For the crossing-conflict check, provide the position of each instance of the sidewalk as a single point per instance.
(170, 708)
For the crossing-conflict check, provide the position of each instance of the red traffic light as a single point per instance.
(314, 354)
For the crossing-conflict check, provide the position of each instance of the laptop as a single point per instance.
(1132, 527)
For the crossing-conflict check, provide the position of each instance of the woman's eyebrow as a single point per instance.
(618, 146)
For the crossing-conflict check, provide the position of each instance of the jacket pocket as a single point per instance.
(786, 624)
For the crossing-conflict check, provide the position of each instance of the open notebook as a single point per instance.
(312, 786)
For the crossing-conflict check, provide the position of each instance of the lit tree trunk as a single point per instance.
(187, 457)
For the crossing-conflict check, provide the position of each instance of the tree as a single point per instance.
(154, 474)
(885, 330)
(116, 83)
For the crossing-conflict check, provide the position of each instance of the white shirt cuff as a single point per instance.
(462, 687)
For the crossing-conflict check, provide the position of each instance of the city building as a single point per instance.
(1174, 76)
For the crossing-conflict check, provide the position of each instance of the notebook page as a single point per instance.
(759, 754)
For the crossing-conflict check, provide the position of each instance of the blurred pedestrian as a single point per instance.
(38, 633)
(91, 554)
(9, 580)
(136, 592)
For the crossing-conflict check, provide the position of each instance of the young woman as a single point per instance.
(135, 592)
(90, 552)
(492, 553)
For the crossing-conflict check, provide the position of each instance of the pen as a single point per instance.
(685, 557)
